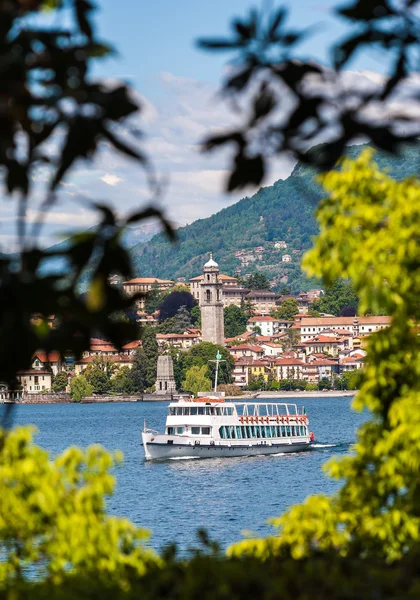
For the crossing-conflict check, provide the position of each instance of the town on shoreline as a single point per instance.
(281, 346)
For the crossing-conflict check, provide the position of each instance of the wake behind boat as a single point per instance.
(210, 427)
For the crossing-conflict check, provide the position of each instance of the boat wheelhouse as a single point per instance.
(211, 427)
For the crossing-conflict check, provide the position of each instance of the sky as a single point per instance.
(177, 85)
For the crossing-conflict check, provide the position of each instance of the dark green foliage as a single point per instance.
(203, 354)
(173, 302)
(340, 299)
(150, 347)
(153, 301)
(59, 382)
(235, 321)
(257, 281)
(99, 381)
(138, 381)
(287, 309)
(121, 383)
(196, 316)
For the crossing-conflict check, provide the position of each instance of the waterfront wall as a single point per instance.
(65, 398)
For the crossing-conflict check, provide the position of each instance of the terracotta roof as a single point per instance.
(310, 321)
(323, 361)
(167, 336)
(352, 359)
(251, 347)
(131, 345)
(45, 358)
(288, 361)
(146, 280)
(262, 319)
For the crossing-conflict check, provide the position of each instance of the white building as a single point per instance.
(286, 258)
(269, 325)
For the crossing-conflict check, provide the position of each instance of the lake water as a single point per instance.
(176, 497)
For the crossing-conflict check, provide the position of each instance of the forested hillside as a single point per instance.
(281, 212)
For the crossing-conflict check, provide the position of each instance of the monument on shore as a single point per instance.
(211, 304)
(165, 380)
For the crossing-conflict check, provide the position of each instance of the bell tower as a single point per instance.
(211, 304)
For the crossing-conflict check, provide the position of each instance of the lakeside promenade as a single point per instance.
(65, 398)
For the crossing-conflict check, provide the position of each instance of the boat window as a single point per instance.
(205, 431)
(193, 410)
(186, 411)
(195, 430)
(273, 431)
(243, 432)
(288, 430)
(170, 430)
(218, 411)
(293, 430)
(232, 432)
(222, 432)
(201, 410)
(171, 410)
(238, 432)
(283, 431)
(179, 430)
(178, 411)
(267, 431)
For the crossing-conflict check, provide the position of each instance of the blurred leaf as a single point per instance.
(247, 170)
(367, 10)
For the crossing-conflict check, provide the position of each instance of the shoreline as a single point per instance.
(294, 394)
(50, 399)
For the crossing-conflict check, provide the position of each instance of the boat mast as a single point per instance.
(217, 361)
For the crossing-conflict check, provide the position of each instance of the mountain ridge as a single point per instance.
(281, 212)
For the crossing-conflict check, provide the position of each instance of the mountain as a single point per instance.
(282, 212)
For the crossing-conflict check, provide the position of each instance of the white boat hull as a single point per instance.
(155, 450)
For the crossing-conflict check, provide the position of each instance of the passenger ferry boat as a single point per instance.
(210, 427)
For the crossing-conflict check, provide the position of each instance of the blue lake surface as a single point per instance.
(176, 497)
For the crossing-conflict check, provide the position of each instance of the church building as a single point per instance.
(211, 304)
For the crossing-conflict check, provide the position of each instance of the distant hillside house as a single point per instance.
(195, 282)
(286, 258)
(144, 285)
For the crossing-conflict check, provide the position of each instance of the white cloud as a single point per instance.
(111, 179)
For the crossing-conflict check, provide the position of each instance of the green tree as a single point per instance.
(121, 382)
(258, 281)
(151, 351)
(182, 319)
(287, 309)
(235, 321)
(373, 514)
(99, 372)
(59, 382)
(196, 316)
(80, 388)
(154, 299)
(196, 380)
(204, 354)
(138, 380)
(339, 297)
